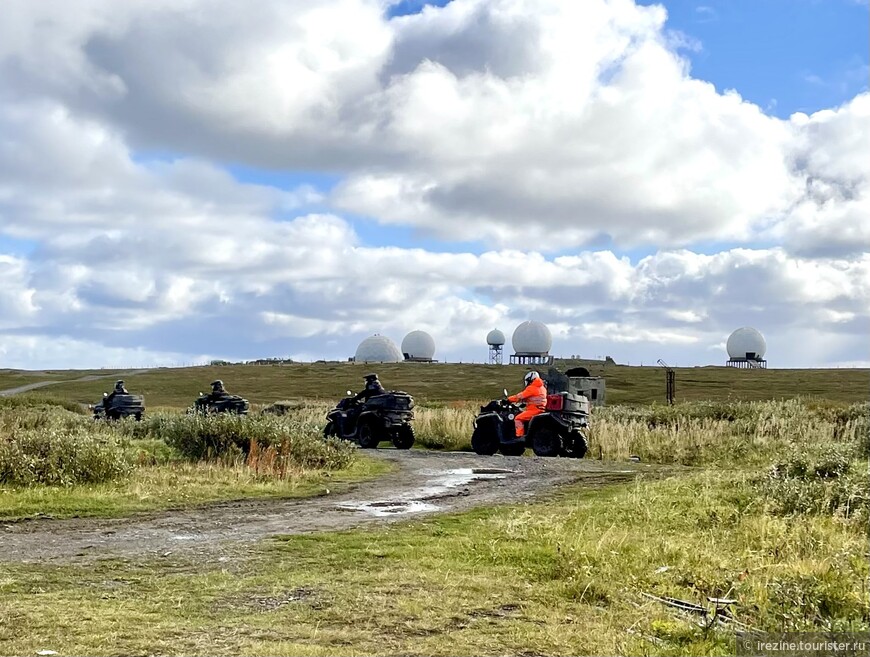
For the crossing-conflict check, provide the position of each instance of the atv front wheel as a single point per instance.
(546, 442)
(580, 446)
(368, 436)
(329, 430)
(484, 442)
(404, 437)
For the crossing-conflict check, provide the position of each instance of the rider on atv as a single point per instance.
(119, 390)
(534, 396)
(373, 387)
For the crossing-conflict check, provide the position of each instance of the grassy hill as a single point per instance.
(452, 382)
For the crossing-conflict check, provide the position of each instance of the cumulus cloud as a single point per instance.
(577, 121)
(560, 134)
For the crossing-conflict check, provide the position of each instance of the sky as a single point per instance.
(185, 180)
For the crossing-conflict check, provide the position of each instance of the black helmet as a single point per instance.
(217, 383)
(119, 382)
(371, 377)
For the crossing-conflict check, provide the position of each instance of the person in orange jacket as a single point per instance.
(534, 396)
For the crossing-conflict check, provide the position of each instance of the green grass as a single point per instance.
(774, 514)
(449, 382)
(16, 378)
(563, 577)
(175, 485)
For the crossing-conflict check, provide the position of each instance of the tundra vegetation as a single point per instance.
(764, 502)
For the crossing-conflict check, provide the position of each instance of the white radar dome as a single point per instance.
(419, 344)
(746, 342)
(378, 349)
(532, 337)
(495, 338)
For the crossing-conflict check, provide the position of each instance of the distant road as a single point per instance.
(42, 384)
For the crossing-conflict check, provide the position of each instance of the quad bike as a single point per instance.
(120, 405)
(381, 417)
(558, 431)
(225, 403)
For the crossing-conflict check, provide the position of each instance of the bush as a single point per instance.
(827, 481)
(297, 440)
(61, 457)
(40, 402)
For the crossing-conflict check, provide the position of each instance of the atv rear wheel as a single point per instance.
(513, 449)
(404, 437)
(546, 442)
(368, 435)
(580, 445)
(484, 442)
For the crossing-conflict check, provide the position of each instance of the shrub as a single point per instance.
(298, 440)
(826, 481)
(61, 456)
(40, 402)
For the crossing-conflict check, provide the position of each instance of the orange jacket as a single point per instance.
(535, 395)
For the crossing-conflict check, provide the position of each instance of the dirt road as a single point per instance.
(424, 482)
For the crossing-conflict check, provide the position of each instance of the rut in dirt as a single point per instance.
(423, 483)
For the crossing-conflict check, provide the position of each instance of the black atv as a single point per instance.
(119, 406)
(381, 417)
(558, 431)
(225, 403)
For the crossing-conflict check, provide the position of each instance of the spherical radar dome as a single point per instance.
(532, 338)
(746, 342)
(495, 338)
(378, 349)
(419, 344)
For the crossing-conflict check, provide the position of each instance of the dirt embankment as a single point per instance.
(424, 482)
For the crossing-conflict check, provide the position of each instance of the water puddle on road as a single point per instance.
(439, 484)
(389, 508)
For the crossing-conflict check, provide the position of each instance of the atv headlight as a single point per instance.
(510, 416)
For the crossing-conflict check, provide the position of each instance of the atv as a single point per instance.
(381, 417)
(120, 405)
(558, 431)
(225, 403)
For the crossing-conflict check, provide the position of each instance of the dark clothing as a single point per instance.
(372, 388)
(119, 390)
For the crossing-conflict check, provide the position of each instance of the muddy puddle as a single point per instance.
(440, 484)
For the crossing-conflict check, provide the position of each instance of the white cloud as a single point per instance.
(480, 120)
(532, 126)
(39, 353)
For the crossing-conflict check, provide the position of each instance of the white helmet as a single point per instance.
(530, 376)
